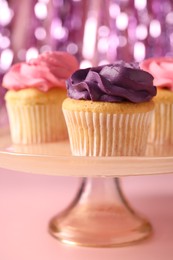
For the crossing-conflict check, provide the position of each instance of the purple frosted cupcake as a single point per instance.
(108, 110)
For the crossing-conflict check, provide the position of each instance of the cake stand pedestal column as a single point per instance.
(99, 216)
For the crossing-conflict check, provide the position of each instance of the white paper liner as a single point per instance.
(36, 124)
(98, 134)
(162, 124)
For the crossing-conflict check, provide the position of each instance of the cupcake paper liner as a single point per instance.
(99, 134)
(36, 124)
(162, 124)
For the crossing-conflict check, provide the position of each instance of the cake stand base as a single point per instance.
(99, 216)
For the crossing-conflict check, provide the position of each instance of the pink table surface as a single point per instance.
(27, 202)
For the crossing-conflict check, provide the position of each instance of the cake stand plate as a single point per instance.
(56, 159)
(99, 215)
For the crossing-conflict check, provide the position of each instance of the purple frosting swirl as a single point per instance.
(118, 82)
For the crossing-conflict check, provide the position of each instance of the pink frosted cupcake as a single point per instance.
(162, 124)
(36, 90)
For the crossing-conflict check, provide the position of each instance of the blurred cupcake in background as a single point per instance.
(36, 90)
(162, 124)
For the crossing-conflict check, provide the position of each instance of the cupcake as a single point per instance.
(36, 90)
(108, 110)
(162, 123)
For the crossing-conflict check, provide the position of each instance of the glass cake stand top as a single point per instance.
(56, 159)
(99, 215)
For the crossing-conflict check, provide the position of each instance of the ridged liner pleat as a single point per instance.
(162, 124)
(98, 134)
(36, 124)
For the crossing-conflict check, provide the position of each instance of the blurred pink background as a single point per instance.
(96, 32)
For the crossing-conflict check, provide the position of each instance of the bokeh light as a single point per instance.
(6, 59)
(89, 37)
(72, 48)
(139, 51)
(169, 18)
(40, 10)
(141, 32)
(114, 10)
(140, 4)
(4, 42)
(122, 21)
(155, 28)
(31, 53)
(40, 33)
(6, 13)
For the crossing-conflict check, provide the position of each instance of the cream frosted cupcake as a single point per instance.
(108, 110)
(36, 90)
(162, 124)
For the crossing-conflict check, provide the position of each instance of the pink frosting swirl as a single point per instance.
(161, 69)
(48, 70)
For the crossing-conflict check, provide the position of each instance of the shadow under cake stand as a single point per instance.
(99, 215)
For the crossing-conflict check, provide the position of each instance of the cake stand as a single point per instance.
(99, 215)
